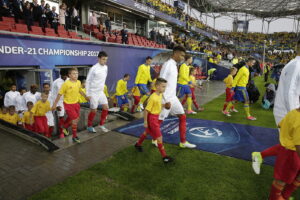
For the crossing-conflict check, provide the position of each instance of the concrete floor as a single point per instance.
(26, 168)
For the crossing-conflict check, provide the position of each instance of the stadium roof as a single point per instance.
(259, 8)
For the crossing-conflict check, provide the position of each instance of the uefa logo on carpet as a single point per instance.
(205, 132)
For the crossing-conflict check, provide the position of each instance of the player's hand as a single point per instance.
(167, 105)
(145, 125)
(123, 97)
(53, 108)
(58, 108)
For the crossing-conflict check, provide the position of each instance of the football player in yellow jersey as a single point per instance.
(239, 84)
(142, 78)
(183, 88)
(193, 86)
(121, 93)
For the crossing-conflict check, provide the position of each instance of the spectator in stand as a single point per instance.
(43, 20)
(40, 12)
(27, 14)
(62, 14)
(69, 12)
(53, 19)
(75, 17)
(93, 20)
(153, 35)
(4, 8)
(124, 34)
(17, 10)
(108, 24)
(35, 10)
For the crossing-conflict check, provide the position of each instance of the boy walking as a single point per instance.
(39, 111)
(70, 91)
(287, 165)
(151, 120)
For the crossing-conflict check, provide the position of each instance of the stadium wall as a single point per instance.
(21, 51)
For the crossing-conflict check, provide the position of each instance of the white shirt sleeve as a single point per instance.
(89, 79)
(6, 99)
(294, 90)
(164, 73)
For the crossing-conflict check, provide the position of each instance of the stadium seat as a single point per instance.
(9, 20)
(20, 28)
(111, 39)
(99, 36)
(75, 37)
(5, 27)
(62, 32)
(21, 21)
(95, 31)
(36, 24)
(50, 32)
(72, 34)
(36, 30)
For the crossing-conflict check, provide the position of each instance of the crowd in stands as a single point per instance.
(38, 15)
(280, 40)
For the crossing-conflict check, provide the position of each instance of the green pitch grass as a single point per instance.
(264, 117)
(195, 175)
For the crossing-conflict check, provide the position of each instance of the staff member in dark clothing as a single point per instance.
(35, 10)
(124, 34)
(40, 12)
(108, 25)
(53, 19)
(17, 10)
(4, 8)
(27, 13)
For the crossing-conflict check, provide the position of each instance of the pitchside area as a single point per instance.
(194, 175)
(112, 169)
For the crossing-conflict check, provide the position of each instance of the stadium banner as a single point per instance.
(150, 11)
(21, 51)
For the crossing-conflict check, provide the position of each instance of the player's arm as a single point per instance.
(6, 100)
(84, 95)
(237, 78)
(33, 110)
(89, 79)
(298, 149)
(149, 74)
(145, 118)
(293, 97)
(164, 74)
(56, 101)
